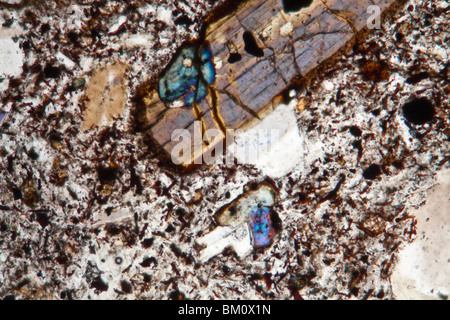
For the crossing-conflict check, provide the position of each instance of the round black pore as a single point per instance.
(418, 111)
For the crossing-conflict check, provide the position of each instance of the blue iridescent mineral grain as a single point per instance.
(255, 210)
(261, 226)
(188, 75)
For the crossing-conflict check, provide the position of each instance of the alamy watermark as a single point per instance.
(374, 21)
(74, 20)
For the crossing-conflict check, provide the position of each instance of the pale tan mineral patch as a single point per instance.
(106, 95)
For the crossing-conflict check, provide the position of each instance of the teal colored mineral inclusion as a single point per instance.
(261, 226)
(187, 76)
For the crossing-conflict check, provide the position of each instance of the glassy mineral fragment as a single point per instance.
(222, 237)
(244, 224)
(422, 271)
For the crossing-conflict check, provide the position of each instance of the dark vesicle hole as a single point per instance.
(109, 211)
(75, 220)
(8, 22)
(51, 71)
(355, 131)
(70, 294)
(276, 221)
(54, 138)
(183, 20)
(180, 212)
(42, 219)
(416, 78)
(364, 258)
(253, 186)
(45, 28)
(372, 172)
(255, 277)
(23, 283)
(62, 259)
(170, 228)
(251, 47)
(147, 262)
(147, 243)
(27, 249)
(33, 154)
(176, 295)
(376, 112)
(354, 291)
(418, 111)
(126, 286)
(135, 180)
(286, 96)
(177, 251)
(112, 229)
(99, 284)
(234, 57)
(301, 196)
(17, 193)
(358, 146)
(226, 270)
(26, 45)
(427, 21)
(399, 36)
(295, 5)
(107, 174)
(72, 36)
(398, 164)
(147, 278)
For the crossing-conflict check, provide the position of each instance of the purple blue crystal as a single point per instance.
(261, 226)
